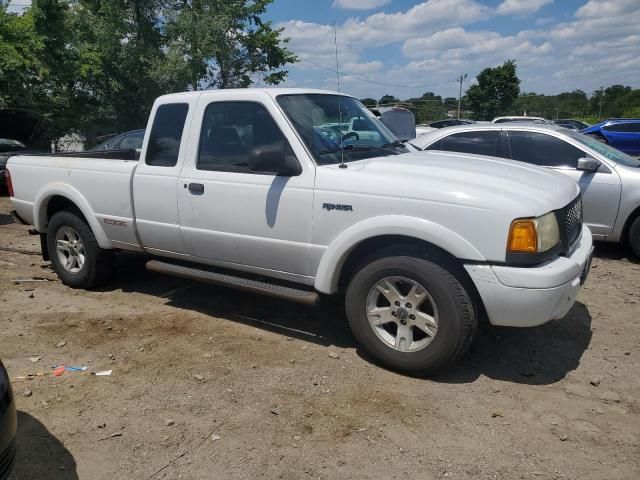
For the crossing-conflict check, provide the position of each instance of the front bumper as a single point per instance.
(530, 296)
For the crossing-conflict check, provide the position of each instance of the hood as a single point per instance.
(594, 128)
(17, 124)
(483, 182)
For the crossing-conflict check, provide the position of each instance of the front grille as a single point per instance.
(570, 224)
(7, 459)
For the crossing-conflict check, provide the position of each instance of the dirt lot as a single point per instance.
(212, 383)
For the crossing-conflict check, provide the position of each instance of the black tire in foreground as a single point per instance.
(411, 314)
(634, 236)
(79, 262)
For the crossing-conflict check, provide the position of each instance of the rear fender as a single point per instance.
(51, 190)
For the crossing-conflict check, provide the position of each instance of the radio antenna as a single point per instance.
(335, 41)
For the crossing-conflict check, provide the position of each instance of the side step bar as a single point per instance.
(253, 286)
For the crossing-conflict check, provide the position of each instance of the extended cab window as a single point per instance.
(542, 149)
(230, 133)
(480, 143)
(166, 134)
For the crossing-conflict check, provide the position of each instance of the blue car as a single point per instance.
(620, 133)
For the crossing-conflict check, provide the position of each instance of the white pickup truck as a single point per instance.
(255, 189)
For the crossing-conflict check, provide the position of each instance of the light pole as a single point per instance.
(461, 79)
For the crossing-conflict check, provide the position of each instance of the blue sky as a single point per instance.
(407, 47)
(420, 46)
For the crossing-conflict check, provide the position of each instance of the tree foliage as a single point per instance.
(95, 66)
(495, 91)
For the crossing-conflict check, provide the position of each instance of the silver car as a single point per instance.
(609, 179)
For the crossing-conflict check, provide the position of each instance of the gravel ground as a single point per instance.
(212, 383)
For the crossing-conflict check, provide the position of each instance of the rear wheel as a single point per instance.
(410, 313)
(634, 236)
(74, 251)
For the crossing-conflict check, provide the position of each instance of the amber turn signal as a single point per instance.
(523, 236)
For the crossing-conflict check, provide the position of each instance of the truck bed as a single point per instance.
(100, 184)
(128, 154)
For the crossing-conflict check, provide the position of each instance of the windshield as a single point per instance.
(336, 127)
(604, 149)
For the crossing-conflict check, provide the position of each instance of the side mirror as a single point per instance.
(271, 159)
(587, 164)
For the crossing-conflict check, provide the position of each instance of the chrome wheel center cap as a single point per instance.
(402, 313)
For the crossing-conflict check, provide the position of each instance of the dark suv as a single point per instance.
(8, 424)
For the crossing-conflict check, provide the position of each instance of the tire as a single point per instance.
(97, 264)
(634, 237)
(446, 302)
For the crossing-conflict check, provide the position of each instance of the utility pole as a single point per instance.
(460, 80)
(601, 102)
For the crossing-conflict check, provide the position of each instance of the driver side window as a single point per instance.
(230, 133)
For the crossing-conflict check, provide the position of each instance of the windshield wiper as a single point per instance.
(346, 147)
(362, 148)
(396, 143)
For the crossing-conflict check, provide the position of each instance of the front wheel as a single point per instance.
(74, 251)
(410, 313)
(634, 236)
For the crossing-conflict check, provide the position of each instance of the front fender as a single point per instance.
(333, 259)
(47, 192)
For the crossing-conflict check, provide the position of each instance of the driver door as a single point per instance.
(232, 216)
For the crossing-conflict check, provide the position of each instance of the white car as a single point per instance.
(248, 180)
(608, 178)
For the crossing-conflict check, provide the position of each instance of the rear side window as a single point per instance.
(166, 134)
(230, 133)
(542, 149)
(480, 143)
(623, 127)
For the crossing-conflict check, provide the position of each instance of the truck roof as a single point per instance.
(273, 92)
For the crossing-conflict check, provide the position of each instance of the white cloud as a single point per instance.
(438, 40)
(519, 7)
(421, 19)
(360, 68)
(481, 45)
(606, 8)
(359, 4)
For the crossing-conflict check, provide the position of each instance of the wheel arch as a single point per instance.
(55, 197)
(624, 234)
(363, 238)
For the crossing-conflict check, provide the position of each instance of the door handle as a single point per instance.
(196, 188)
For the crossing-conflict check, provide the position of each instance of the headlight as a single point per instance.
(533, 235)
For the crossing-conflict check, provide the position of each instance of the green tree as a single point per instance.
(222, 44)
(387, 99)
(450, 103)
(369, 102)
(495, 91)
(20, 65)
(95, 66)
